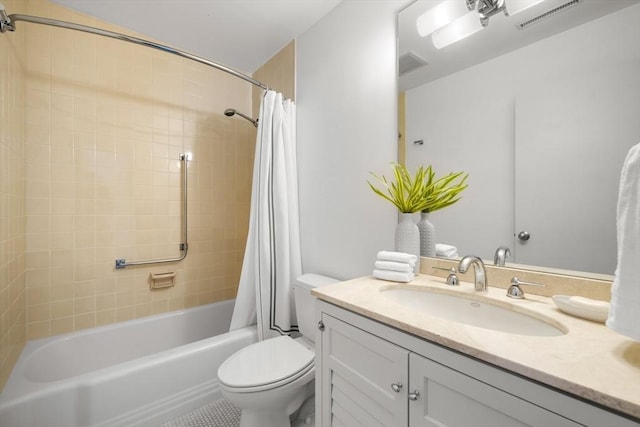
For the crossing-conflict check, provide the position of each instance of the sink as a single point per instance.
(472, 312)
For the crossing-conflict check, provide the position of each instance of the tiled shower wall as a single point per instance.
(279, 73)
(89, 173)
(12, 204)
(105, 124)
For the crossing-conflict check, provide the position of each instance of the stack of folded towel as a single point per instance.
(395, 266)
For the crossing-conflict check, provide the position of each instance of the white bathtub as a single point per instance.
(136, 373)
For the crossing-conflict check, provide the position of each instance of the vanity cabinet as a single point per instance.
(369, 374)
(446, 397)
(363, 378)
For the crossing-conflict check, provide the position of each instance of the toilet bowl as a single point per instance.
(269, 380)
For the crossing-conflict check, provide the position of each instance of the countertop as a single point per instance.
(589, 361)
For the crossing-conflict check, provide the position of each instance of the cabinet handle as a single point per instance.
(396, 387)
(321, 325)
(414, 395)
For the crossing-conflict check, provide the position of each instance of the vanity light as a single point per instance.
(517, 6)
(448, 23)
(439, 16)
(457, 30)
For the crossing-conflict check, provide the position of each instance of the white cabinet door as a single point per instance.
(359, 374)
(448, 398)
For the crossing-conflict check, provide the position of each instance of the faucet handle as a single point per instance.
(452, 278)
(514, 290)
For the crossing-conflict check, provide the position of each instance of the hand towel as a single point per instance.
(397, 257)
(446, 251)
(624, 313)
(393, 276)
(394, 266)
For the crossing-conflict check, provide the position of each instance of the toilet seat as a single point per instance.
(266, 365)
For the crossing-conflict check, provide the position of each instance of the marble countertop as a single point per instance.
(589, 361)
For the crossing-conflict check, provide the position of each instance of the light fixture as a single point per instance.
(448, 22)
(517, 6)
(457, 30)
(439, 16)
(488, 8)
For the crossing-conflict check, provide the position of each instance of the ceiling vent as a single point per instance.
(548, 14)
(410, 62)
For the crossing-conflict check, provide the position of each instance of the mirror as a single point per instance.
(540, 117)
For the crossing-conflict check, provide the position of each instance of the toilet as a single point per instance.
(269, 380)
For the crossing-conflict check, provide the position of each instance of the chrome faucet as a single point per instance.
(502, 253)
(514, 290)
(479, 272)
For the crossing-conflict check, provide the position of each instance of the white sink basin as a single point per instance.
(471, 312)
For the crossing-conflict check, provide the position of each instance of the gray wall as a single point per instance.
(347, 127)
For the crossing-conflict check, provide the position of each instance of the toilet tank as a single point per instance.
(305, 311)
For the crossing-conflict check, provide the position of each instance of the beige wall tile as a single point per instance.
(137, 224)
(108, 182)
(279, 74)
(61, 325)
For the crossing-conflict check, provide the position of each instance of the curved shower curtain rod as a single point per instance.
(7, 22)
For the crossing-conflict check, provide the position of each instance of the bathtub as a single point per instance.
(136, 373)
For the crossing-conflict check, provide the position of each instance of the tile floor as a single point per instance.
(223, 414)
(216, 414)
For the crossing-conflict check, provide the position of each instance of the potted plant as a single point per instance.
(422, 192)
(406, 192)
(438, 193)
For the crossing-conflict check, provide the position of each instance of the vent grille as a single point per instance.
(409, 62)
(548, 14)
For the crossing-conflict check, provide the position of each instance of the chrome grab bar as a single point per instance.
(184, 246)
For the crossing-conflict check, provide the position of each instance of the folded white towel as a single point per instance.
(624, 313)
(394, 266)
(393, 276)
(397, 257)
(446, 251)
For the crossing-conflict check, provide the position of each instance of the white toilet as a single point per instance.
(270, 379)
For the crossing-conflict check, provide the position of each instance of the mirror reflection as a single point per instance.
(541, 118)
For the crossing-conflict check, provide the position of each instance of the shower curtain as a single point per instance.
(272, 257)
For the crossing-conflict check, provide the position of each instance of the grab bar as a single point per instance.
(184, 246)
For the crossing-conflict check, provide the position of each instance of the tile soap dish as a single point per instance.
(585, 308)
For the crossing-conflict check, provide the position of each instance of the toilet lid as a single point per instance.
(265, 362)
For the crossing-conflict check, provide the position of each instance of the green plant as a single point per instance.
(421, 192)
(442, 192)
(405, 192)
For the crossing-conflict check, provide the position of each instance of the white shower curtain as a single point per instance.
(272, 257)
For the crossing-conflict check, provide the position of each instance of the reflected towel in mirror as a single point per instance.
(446, 251)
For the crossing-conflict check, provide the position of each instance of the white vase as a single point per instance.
(407, 238)
(427, 236)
